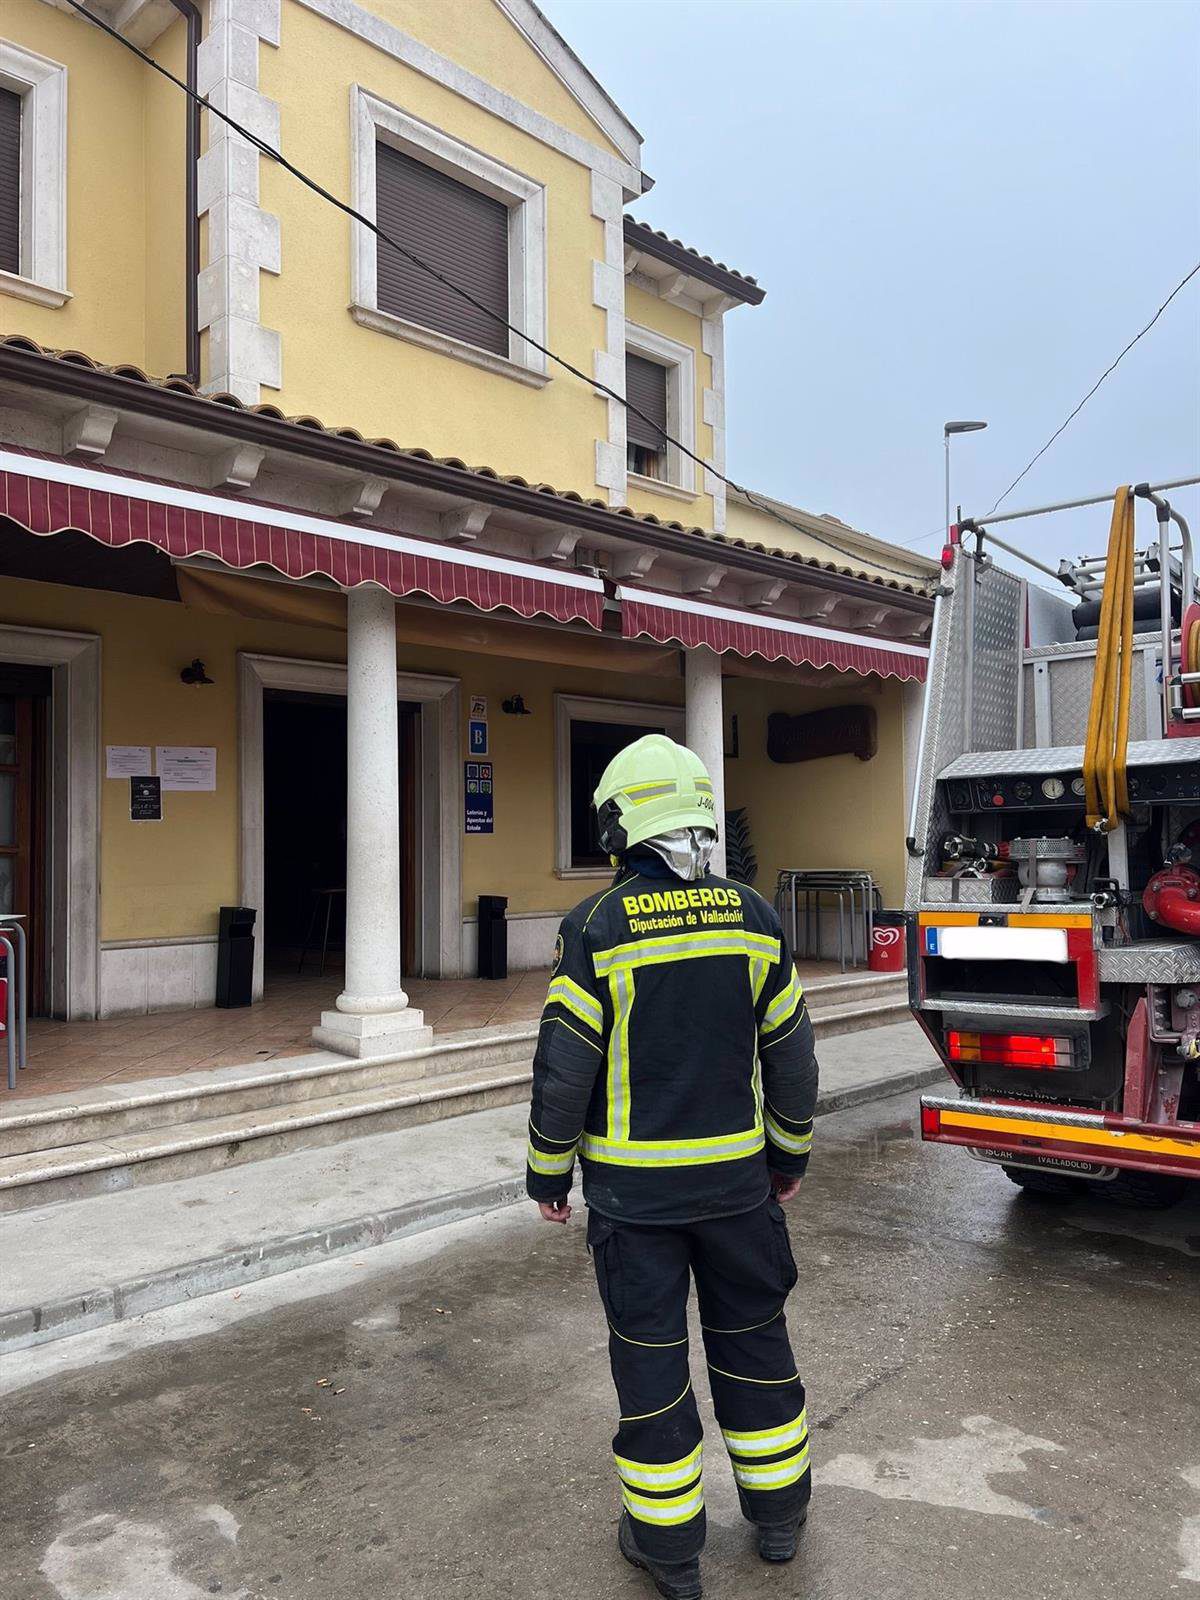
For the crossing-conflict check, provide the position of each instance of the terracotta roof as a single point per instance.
(22, 357)
(656, 243)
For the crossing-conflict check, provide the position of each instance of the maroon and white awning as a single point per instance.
(673, 618)
(48, 495)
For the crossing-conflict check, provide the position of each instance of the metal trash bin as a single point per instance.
(492, 960)
(235, 956)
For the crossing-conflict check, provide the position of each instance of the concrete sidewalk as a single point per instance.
(81, 1264)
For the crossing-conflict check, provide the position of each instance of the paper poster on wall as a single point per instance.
(478, 711)
(478, 797)
(127, 760)
(145, 799)
(183, 766)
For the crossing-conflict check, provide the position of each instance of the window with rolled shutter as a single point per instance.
(455, 229)
(646, 392)
(10, 181)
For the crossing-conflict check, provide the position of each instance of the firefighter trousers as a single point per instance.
(744, 1270)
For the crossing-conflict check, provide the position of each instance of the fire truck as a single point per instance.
(1053, 881)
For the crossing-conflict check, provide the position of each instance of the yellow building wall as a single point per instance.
(386, 387)
(648, 311)
(841, 546)
(161, 880)
(164, 134)
(106, 212)
(837, 811)
(485, 41)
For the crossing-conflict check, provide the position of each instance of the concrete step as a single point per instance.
(829, 1021)
(185, 1149)
(855, 988)
(104, 1114)
(105, 1142)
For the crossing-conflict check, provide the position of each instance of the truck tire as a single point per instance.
(1145, 1191)
(1046, 1185)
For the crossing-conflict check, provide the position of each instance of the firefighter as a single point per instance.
(675, 1058)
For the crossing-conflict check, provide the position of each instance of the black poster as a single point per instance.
(145, 799)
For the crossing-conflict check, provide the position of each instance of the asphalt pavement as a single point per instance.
(1003, 1397)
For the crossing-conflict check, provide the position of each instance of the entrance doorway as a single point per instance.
(24, 721)
(304, 833)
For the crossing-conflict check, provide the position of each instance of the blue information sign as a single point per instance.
(478, 796)
(477, 742)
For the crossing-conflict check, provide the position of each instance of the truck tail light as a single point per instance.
(1045, 1051)
(931, 1122)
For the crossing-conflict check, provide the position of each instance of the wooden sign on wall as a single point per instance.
(835, 731)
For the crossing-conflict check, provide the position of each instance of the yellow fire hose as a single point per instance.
(1108, 715)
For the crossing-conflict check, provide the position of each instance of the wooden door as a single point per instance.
(410, 801)
(22, 827)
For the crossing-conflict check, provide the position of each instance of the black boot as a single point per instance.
(678, 1580)
(777, 1541)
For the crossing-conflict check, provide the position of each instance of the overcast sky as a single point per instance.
(957, 210)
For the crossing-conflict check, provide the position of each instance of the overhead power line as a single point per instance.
(303, 177)
(1106, 373)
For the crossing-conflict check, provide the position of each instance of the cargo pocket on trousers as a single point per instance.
(605, 1247)
(785, 1261)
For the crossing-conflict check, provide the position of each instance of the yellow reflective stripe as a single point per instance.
(783, 1006)
(796, 1144)
(766, 1441)
(551, 1166)
(648, 1344)
(670, 1509)
(622, 988)
(749, 1328)
(572, 1141)
(759, 967)
(712, 941)
(660, 1474)
(768, 1044)
(566, 992)
(662, 1411)
(652, 787)
(673, 1152)
(772, 1474)
(739, 1378)
(561, 1022)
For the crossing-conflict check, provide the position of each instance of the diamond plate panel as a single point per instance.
(1155, 961)
(1067, 757)
(971, 891)
(995, 660)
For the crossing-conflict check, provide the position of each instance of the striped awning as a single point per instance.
(46, 494)
(673, 618)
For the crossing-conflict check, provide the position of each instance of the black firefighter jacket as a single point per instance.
(675, 1055)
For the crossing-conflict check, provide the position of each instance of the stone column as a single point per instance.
(373, 1016)
(706, 729)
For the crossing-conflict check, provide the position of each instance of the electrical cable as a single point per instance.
(301, 176)
(1106, 373)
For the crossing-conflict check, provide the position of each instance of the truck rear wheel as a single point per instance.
(1046, 1185)
(1145, 1191)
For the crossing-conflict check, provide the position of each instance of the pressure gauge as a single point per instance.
(1053, 788)
(1078, 786)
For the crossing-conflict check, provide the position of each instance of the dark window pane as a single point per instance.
(646, 391)
(453, 228)
(10, 181)
(593, 745)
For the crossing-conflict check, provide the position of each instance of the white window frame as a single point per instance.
(680, 362)
(569, 708)
(42, 85)
(372, 120)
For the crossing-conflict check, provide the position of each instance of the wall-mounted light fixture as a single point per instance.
(515, 706)
(195, 674)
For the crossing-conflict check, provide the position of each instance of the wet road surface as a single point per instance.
(1005, 1397)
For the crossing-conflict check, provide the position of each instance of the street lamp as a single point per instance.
(947, 429)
